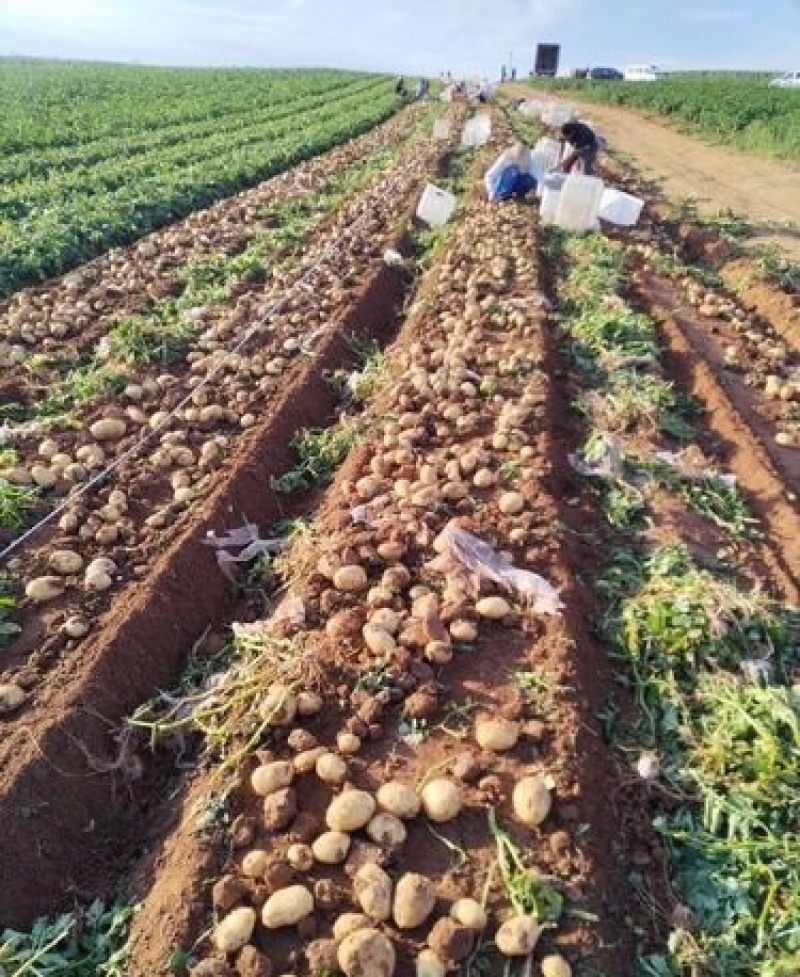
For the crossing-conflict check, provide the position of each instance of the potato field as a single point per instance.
(378, 600)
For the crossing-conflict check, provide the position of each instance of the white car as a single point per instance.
(647, 72)
(790, 80)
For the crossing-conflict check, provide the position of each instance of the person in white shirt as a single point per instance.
(510, 175)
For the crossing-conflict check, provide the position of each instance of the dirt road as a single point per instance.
(765, 192)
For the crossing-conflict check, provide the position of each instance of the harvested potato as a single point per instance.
(386, 830)
(366, 953)
(348, 743)
(65, 562)
(42, 589)
(532, 800)
(414, 900)
(331, 769)
(493, 608)
(331, 848)
(287, 907)
(75, 627)
(107, 429)
(350, 579)
(348, 923)
(429, 965)
(235, 930)
(441, 799)
(254, 863)
(378, 640)
(300, 857)
(555, 966)
(469, 913)
(309, 703)
(511, 503)
(398, 799)
(372, 888)
(279, 706)
(350, 811)
(11, 697)
(306, 761)
(99, 574)
(271, 777)
(496, 733)
(518, 936)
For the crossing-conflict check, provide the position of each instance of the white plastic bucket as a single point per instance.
(620, 208)
(436, 206)
(579, 203)
(550, 190)
(477, 131)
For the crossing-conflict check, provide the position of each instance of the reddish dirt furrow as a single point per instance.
(768, 474)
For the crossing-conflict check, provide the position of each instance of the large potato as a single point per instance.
(235, 930)
(271, 777)
(372, 888)
(331, 848)
(65, 562)
(366, 953)
(287, 907)
(279, 706)
(518, 936)
(350, 811)
(496, 733)
(331, 769)
(398, 799)
(469, 913)
(531, 800)
(348, 923)
(107, 429)
(441, 799)
(386, 830)
(42, 589)
(414, 899)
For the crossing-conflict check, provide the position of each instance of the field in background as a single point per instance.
(96, 155)
(739, 110)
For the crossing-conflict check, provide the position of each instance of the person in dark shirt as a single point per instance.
(583, 154)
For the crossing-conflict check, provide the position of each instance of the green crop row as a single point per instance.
(98, 155)
(740, 111)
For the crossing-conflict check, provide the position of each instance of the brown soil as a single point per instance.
(742, 440)
(764, 191)
(57, 850)
(779, 308)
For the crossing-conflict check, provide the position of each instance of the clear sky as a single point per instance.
(411, 36)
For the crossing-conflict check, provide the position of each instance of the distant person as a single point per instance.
(503, 74)
(400, 87)
(419, 89)
(584, 146)
(510, 175)
(513, 74)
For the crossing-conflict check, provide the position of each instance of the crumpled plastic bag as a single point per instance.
(247, 540)
(464, 555)
(607, 459)
(692, 471)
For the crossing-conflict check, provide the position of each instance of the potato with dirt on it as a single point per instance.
(372, 888)
(331, 848)
(255, 863)
(350, 811)
(469, 913)
(331, 769)
(65, 562)
(348, 743)
(11, 697)
(279, 809)
(414, 900)
(555, 966)
(350, 578)
(496, 733)
(287, 907)
(300, 857)
(271, 777)
(366, 953)
(386, 830)
(441, 799)
(450, 941)
(493, 608)
(279, 706)
(42, 589)
(348, 923)
(398, 799)
(518, 936)
(235, 929)
(429, 965)
(107, 429)
(532, 800)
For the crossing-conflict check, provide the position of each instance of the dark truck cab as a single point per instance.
(547, 57)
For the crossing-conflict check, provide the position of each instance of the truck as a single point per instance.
(547, 56)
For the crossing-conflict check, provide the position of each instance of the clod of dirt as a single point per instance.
(253, 963)
(306, 827)
(321, 956)
(327, 896)
(280, 809)
(243, 831)
(468, 768)
(450, 941)
(228, 892)
(421, 705)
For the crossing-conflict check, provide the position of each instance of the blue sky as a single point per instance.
(464, 36)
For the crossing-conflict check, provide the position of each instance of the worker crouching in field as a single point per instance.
(584, 146)
(510, 175)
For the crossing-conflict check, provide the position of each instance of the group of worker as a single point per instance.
(511, 176)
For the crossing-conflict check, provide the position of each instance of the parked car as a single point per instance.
(648, 72)
(605, 74)
(789, 80)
